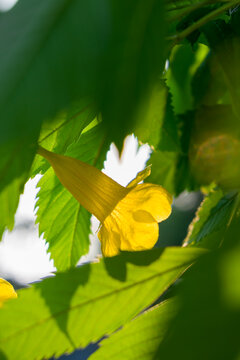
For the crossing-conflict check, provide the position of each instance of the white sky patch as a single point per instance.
(23, 255)
(6, 5)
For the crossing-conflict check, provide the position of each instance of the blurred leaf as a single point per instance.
(214, 149)
(225, 42)
(74, 308)
(150, 115)
(64, 222)
(42, 71)
(134, 63)
(207, 323)
(65, 129)
(137, 339)
(42, 67)
(208, 83)
(209, 226)
(175, 4)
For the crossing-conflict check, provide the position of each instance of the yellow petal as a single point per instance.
(141, 175)
(94, 190)
(133, 224)
(6, 291)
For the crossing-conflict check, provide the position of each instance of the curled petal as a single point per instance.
(133, 224)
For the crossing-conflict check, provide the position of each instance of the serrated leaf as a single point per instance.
(171, 168)
(150, 115)
(83, 304)
(9, 198)
(169, 137)
(64, 222)
(208, 227)
(140, 338)
(184, 63)
(15, 162)
(65, 129)
(163, 169)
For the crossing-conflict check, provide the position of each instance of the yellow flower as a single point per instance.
(6, 291)
(129, 215)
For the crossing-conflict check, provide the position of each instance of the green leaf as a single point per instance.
(9, 198)
(135, 61)
(140, 338)
(209, 226)
(42, 67)
(207, 322)
(171, 168)
(179, 4)
(169, 137)
(65, 129)
(81, 305)
(42, 71)
(208, 84)
(163, 169)
(15, 162)
(64, 222)
(150, 115)
(225, 42)
(184, 62)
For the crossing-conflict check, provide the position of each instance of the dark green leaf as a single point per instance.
(169, 137)
(179, 77)
(150, 115)
(50, 51)
(207, 323)
(209, 226)
(226, 45)
(134, 62)
(171, 169)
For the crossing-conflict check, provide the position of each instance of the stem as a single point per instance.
(205, 19)
(190, 9)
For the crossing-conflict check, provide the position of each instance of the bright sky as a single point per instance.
(6, 5)
(23, 255)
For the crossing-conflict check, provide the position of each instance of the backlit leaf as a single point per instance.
(209, 226)
(140, 338)
(81, 305)
(64, 222)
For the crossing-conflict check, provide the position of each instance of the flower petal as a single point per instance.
(141, 175)
(133, 224)
(6, 291)
(94, 190)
